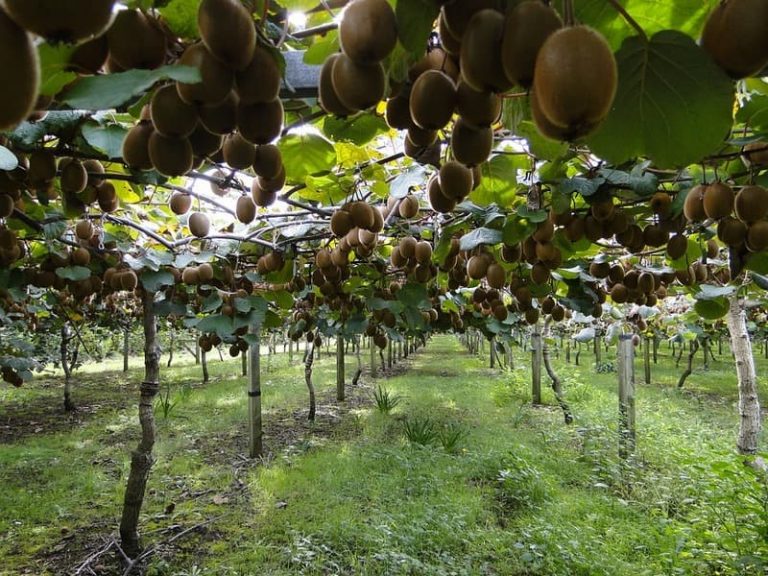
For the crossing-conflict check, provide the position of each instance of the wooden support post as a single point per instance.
(373, 348)
(568, 351)
(647, 359)
(598, 348)
(340, 368)
(389, 355)
(626, 370)
(126, 347)
(536, 360)
(254, 394)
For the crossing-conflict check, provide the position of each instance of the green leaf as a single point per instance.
(412, 177)
(181, 17)
(53, 63)
(499, 180)
(73, 273)
(711, 292)
(414, 23)
(8, 160)
(358, 129)
(221, 325)
(584, 186)
(673, 105)
(305, 155)
(516, 230)
(535, 216)
(414, 296)
(754, 112)
(480, 236)
(106, 139)
(321, 48)
(211, 303)
(114, 90)
(711, 309)
(153, 281)
(643, 183)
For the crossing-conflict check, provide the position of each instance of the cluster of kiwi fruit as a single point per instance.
(332, 269)
(489, 302)
(11, 247)
(631, 285)
(194, 275)
(302, 320)
(270, 262)
(451, 185)
(415, 258)
(354, 79)
(735, 35)
(357, 226)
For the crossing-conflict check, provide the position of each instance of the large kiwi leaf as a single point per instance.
(673, 104)
(306, 154)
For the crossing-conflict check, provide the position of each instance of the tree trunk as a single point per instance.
(359, 371)
(254, 395)
(197, 351)
(126, 347)
(692, 352)
(626, 370)
(372, 350)
(204, 362)
(308, 379)
(69, 405)
(142, 459)
(536, 358)
(557, 385)
(170, 348)
(647, 359)
(749, 404)
(598, 348)
(340, 368)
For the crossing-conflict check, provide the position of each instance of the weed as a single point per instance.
(451, 434)
(165, 404)
(420, 431)
(385, 400)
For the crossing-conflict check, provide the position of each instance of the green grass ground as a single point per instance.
(519, 493)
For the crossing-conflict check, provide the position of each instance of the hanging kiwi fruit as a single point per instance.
(21, 69)
(736, 36)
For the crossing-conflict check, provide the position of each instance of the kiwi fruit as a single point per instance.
(361, 214)
(245, 210)
(478, 108)
(21, 68)
(220, 118)
(238, 152)
(260, 80)
(477, 266)
(84, 229)
(655, 236)
(718, 200)
(205, 272)
(599, 269)
(495, 276)
(619, 293)
(261, 197)
(170, 156)
(432, 100)
(272, 184)
(260, 123)
(94, 169)
(755, 154)
(81, 257)
(62, 21)
(171, 116)
(532, 315)
(180, 203)
(136, 41)
(407, 247)
(481, 66)
(73, 176)
(398, 112)
(470, 144)
(731, 231)
(736, 36)
(526, 28)
(751, 203)
(550, 130)
(677, 246)
(456, 14)
(575, 78)
(228, 31)
(661, 203)
(204, 143)
(409, 207)
(136, 146)
(128, 280)
(437, 200)
(693, 208)
(357, 86)
(216, 79)
(268, 161)
(435, 59)
(423, 252)
(6, 206)
(341, 223)
(455, 180)
(757, 236)
(450, 43)
(327, 96)
(42, 166)
(89, 57)
(106, 196)
(199, 224)
(368, 30)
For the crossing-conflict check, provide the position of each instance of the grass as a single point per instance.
(500, 487)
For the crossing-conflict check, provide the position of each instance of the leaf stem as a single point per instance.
(631, 21)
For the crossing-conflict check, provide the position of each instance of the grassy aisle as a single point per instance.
(498, 487)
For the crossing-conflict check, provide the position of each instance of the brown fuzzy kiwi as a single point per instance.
(129, 281)
(260, 80)
(599, 269)
(106, 195)
(368, 30)
(677, 246)
(327, 96)
(435, 59)
(477, 266)
(238, 152)
(94, 168)
(602, 210)
(718, 200)
(62, 21)
(646, 282)
(481, 65)
(357, 86)
(576, 78)
(736, 36)
(398, 112)
(378, 220)
(757, 236)
(42, 166)
(73, 176)
(450, 43)
(199, 224)
(693, 208)
(268, 162)
(7, 206)
(713, 250)
(550, 130)
(341, 223)
(89, 57)
(245, 210)
(660, 203)
(21, 73)
(731, 231)
(260, 123)
(456, 14)
(81, 257)
(495, 276)
(261, 197)
(407, 247)
(205, 272)
(361, 214)
(455, 180)
(423, 252)
(751, 203)
(228, 31)
(655, 236)
(136, 41)
(170, 156)
(180, 203)
(574, 231)
(432, 100)
(437, 200)
(216, 79)
(471, 145)
(526, 28)
(273, 184)
(544, 232)
(409, 207)
(755, 154)
(619, 293)
(171, 116)
(532, 315)
(220, 118)
(478, 108)
(84, 229)
(204, 143)
(136, 146)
